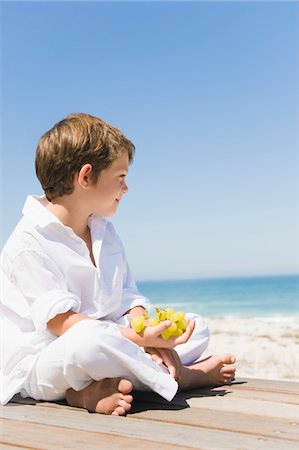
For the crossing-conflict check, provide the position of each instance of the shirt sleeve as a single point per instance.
(43, 287)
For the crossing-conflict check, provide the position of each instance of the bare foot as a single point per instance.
(211, 371)
(108, 396)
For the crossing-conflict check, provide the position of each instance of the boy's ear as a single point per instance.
(84, 175)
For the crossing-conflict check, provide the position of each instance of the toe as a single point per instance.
(119, 410)
(228, 359)
(126, 406)
(125, 386)
(228, 376)
(128, 398)
(228, 370)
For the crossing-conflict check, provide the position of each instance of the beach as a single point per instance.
(255, 318)
(265, 347)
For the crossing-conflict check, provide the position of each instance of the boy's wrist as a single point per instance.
(137, 311)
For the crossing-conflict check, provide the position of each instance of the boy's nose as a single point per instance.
(125, 188)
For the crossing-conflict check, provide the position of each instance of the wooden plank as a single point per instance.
(272, 396)
(143, 400)
(181, 399)
(43, 437)
(267, 385)
(247, 391)
(14, 447)
(247, 414)
(230, 421)
(155, 432)
(246, 406)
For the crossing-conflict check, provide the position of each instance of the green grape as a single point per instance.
(172, 329)
(152, 321)
(169, 312)
(180, 315)
(161, 314)
(165, 334)
(138, 323)
(183, 324)
(177, 317)
(174, 317)
(178, 332)
(178, 322)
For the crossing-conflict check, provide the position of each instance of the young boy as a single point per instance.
(68, 295)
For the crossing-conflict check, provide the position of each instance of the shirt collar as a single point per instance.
(36, 212)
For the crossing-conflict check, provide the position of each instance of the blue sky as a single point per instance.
(208, 93)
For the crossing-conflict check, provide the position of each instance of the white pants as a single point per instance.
(92, 350)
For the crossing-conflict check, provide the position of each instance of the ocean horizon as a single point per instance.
(243, 296)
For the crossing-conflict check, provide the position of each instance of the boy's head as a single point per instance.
(74, 141)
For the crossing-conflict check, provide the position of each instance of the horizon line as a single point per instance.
(220, 277)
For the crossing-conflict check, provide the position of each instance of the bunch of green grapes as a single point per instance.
(177, 318)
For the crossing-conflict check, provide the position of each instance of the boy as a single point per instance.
(68, 295)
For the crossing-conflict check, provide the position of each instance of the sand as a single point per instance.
(264, 347)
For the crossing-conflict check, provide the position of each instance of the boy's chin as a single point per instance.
(109, 213)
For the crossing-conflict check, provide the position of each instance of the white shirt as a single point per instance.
(46, 270)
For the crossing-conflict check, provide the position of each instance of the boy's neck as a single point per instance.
(67, 211)
(70, 216)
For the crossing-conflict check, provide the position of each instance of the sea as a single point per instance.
(270, 296)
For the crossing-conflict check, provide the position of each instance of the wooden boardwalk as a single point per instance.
(249, 414)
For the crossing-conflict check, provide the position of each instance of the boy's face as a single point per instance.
(110, 187)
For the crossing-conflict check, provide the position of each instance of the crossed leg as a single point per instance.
(112, 395)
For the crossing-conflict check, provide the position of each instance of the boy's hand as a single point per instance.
(151, 336)
(169, 358)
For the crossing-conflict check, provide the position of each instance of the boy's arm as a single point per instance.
(62, 322)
